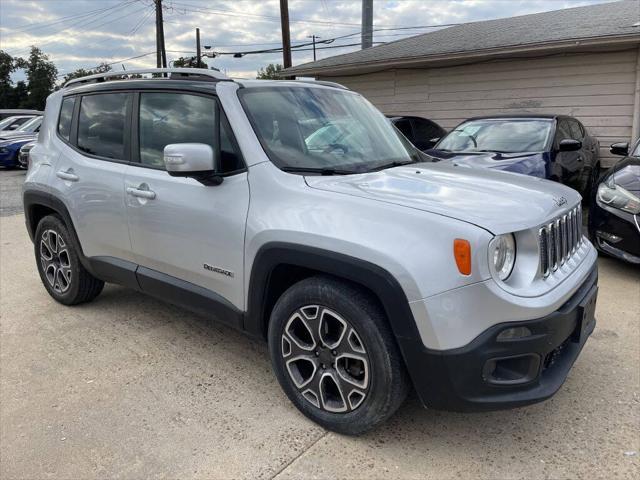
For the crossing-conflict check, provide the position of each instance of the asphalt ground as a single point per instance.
(130, 387)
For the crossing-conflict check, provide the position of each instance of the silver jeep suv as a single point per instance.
(295, 212)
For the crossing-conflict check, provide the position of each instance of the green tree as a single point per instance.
(270, 72)
(20, 95)
(81, 72)
(8, 65)
(188, 62)
(41, 78)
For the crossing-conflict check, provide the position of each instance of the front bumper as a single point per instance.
(532, 368)
(615, 232)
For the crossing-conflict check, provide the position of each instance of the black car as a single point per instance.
(555, 147)
(422, 132)
(614, 215)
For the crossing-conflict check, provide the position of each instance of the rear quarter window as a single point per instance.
(64, 120)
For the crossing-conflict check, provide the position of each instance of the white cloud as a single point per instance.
(84, 33)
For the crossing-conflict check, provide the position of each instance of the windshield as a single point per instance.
(636, 152)
(31, 126)
(498, 135)
(308, 128)
(7, 121)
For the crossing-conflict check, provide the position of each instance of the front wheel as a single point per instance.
(335, 356)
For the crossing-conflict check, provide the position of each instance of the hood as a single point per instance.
(627, 174)
(21, 138)
(16, 135)
(500, 202)
(484, 159)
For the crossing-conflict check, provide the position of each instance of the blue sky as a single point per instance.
(83, 33)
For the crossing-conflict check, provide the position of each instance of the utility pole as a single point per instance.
(367, 24)
(286, 37)
(313, 37)
(198, 51)
(161, 53)
(158, 43)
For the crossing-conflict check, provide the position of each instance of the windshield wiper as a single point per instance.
(392, 164)
(318, 170)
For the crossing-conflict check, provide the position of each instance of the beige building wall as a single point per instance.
(600, 89)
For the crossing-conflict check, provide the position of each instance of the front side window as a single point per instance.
(66, 114)
(167, 118)
(510, 135)
(576, 131)
(101, 125)
(315, 129)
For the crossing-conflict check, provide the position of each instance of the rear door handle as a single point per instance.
(67, 175)
(141, 193)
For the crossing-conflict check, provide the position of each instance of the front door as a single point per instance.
(186, 232)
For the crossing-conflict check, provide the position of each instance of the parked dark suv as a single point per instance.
(555, 147)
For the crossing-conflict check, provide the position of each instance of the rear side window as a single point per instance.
(66, 114)
(101, 125)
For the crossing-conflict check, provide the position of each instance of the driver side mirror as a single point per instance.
(569, 145)
(195, 160)
(620, 149)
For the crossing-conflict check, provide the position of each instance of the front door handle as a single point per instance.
(141, 193)
(67, 175)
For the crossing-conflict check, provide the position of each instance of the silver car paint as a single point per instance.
(403, 219)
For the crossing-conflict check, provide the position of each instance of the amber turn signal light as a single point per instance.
(462, 253)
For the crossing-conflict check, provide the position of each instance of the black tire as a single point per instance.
(382, 380)
(63, 276)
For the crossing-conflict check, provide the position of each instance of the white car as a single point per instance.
(368, 269)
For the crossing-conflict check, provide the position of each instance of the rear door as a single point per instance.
(182, 231)
(93, 130)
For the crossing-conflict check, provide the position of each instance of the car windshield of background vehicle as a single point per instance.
(323, 130)
(636, 152)
(31, 126)
(498, 135)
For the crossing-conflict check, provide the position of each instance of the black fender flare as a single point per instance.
(33, 199)
(373, 277)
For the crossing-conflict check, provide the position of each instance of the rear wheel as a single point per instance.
(335, 356)
(61, 272)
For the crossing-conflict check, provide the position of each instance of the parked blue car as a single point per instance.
(10, 149)
(555, 147)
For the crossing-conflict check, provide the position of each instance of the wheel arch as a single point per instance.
(38, 205)
(277, 266)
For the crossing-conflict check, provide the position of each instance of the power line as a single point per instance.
(31, 26)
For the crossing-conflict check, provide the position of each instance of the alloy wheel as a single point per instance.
(326, 359)
(55, 261)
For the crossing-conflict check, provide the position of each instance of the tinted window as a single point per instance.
(576, 131)
(167, 118)
(564, 131)
(405, 127)
(66, 113)
(101, 125)
(229, 157)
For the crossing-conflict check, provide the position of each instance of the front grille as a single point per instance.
(559, 239)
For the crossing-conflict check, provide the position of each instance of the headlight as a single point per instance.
(615, 196)
(502, 252)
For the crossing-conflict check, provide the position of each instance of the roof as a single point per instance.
(600, 24)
